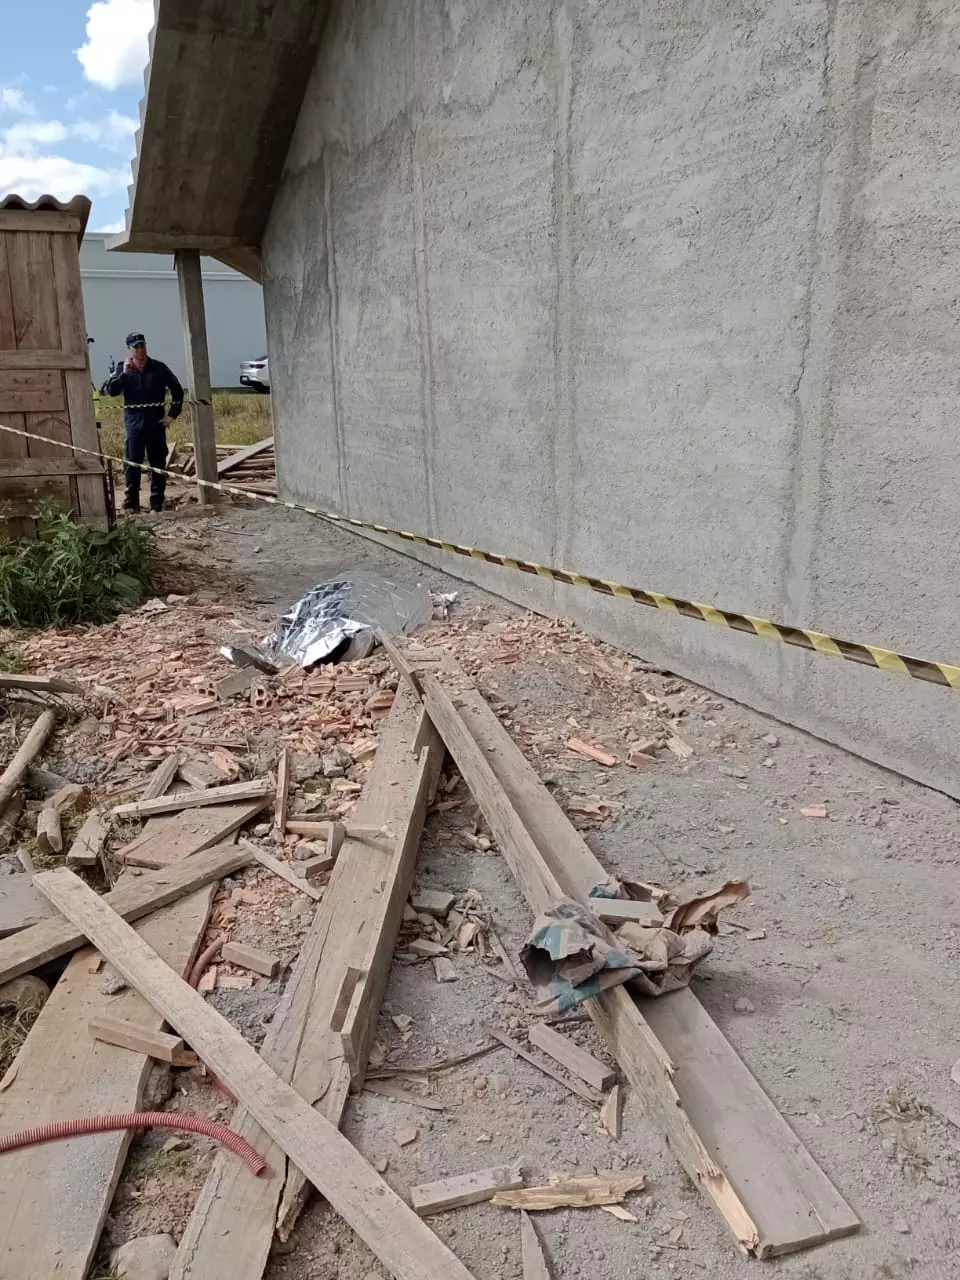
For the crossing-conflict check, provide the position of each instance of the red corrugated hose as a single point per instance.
(137, 1120)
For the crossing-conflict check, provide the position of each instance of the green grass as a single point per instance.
(239, 418)
(70, 573)
(11, 663)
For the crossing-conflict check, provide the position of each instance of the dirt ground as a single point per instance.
(852, 989)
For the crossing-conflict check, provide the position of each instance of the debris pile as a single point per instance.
(274, 881)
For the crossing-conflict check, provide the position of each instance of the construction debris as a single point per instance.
(355, 763)
(464, 1189)
(562, 1191)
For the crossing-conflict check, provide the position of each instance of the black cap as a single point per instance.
(136, 340)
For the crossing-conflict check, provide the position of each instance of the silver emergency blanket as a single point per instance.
(348, 606)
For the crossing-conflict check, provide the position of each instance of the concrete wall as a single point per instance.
(125, 291)
(666, 293)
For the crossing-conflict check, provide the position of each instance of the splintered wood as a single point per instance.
(573, 1193)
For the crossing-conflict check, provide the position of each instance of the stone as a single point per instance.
(403, 1137)
(743, 1005)
(771, 740)
(902, 1226)
(499, 1083)
(146, 1258)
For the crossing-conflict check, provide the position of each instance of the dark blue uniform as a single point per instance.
(144, 394)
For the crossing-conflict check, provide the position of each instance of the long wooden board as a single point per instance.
(131, 899)
(54, 1198)
(232, 1226)
(169, 839)
(256, 789)
(389, 1227)
(720, 1124)
(240, 457)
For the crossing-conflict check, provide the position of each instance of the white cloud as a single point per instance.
(15, 100)
(111, 228)
(33, 176)
(26, 135)
(115, 51)
(30, 166)
(114, 131)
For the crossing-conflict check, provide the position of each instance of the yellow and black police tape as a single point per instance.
(869, 655)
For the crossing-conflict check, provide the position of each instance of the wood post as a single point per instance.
(198, 369)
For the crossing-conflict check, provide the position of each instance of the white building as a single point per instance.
(124, 291)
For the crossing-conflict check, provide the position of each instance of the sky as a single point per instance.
(71, 79)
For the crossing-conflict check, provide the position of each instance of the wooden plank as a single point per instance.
(256, 789)
(91, 490)
(581, 1090)
(33, 289)
(535, 1264)
(29, 749)
(388, 1226)
(464, 1189)
(35, 468)
(31, 391)
(281, 869)
(132, 1035)
(282, 804)
(48, 221)
(161, 780)
(52, 359)
(232, 1226)
(198, 370)
(720, 1124)
(570, 1055)
(20, 905)
(131, 899)
(250, 958)
(166, 840)
(88, 843)
(55, 1197)
(240, 457)
(39, 684)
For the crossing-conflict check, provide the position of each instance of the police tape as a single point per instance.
(868, 655)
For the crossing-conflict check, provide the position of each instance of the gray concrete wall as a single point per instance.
(664, 293)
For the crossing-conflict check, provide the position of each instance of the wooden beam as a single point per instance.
(131, 1035)
(281, 869)
(282, 803)
(194, 321)
(232, 1226)
(575, 1086)
(40, 221)
(161, 780)
(24, 359)
(38, 684)
(464, 1189)
(256, 789)
(570, 1055)
(250, 958)
(63, 1071)
(240, 457)
(30, 748)
(718, 1121)
(132, 899)
(388, 1226)
(88, 842)
(166, 840)
(535, 1264)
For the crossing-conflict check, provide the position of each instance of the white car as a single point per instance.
(255, 374)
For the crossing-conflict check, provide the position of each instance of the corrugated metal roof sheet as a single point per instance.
(79, 206)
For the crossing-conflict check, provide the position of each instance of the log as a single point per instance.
(30, 748)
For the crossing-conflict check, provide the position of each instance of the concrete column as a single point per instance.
(198, 368)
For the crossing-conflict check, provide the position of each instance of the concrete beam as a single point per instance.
(198, 369)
